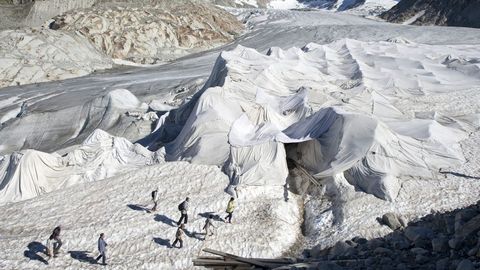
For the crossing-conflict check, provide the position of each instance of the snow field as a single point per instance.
(264, 225)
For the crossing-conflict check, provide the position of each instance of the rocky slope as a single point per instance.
(84, 40)
(21, 13)
(465, 13)
(151, 34)
(437, 241)
(38, 55)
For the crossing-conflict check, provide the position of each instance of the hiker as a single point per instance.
(230, 208)
(208, 225)
(179, 235)
(183, 207)
(49, 246)
(57, 242)
(102, 248)
(155, 199)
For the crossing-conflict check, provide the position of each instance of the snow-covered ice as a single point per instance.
(263, 223)
(385, 117)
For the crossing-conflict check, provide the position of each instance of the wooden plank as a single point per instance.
(211, 258)
(212, 263)
(290, 266)
(306, 173)
(237, 258)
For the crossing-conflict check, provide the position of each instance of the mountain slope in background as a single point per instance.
(464, 13)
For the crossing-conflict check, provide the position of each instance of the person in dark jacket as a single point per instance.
(179, 235)
(102, 248)
(155, 198)
(57, 242)
(183, 207)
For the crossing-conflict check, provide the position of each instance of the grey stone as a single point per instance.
(464, 216)
(403, 221)
(423, 243)
(328, 266)
(440, 244)
(465, 265)
(399, 242)
(401, 245)
(442, 264)
(386, 262)
(414, 232)
(351, 243)
(470, 227)
(421, 259)
(401, 266)
(453, 254)
(472, 252)
(374, 243)
(359, 240)
(450, 224)
(391, 220)
(339, 249)
(382, 250)
(419, 251)
(454, 243)
(370, 261)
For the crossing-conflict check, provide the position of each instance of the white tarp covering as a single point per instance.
(29, 173)
(337, 102)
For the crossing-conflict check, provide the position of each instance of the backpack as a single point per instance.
(181, 207)
(154, 193)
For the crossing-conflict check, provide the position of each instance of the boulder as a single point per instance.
(421, 259)
(370, 261)
(470, 227)
(403, 221)
(392, 221)
(465, 265)
(472, 252)
(359, 240)
(414, 233)
(383, 251)
(374, 243)
(401, 243)
(464, 216)
(442, 264)
(385, 261)
(440, 244)
(423, 243)
(419, 251)
(339, 249)
(454, 243)
(328, 266)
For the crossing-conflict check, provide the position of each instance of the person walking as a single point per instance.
(179, 235)
(49, 246)
(230, 208)
(183, 207)
(102, 248)
(155, 200)
(57, 242)
(208, 226)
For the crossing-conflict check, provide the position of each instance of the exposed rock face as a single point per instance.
(21, 13)
(408, 248)
(31, 55)
(44, 10)
(436, 12)
(150, 34)
(87, 39)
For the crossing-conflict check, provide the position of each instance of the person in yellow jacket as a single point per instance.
(230, 208)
